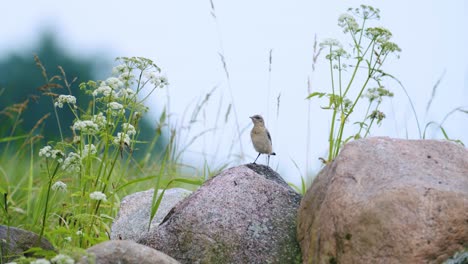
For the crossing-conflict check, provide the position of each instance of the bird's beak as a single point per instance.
(251, 117)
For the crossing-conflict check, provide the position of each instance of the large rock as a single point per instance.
(246, 214)
(134, 214)
(15, 241)
(387, 201)
(124, 252)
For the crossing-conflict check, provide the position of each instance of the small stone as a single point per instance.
(19, 241)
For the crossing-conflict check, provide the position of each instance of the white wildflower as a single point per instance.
(122, 138)
(69, 99)
(98, 196)
(100, 120)
(330, 42)
(72, 162)
(40, 261)
(88, 150)
(129, 129)
(104, 90)
(68, 239)
(117, 108)
(348, 23)
(79, 233)
(127, 77)
(48, 152)
(114, 106)
(45, 151)
(125, 92)
(120, 69)
(153, 78)
(164, 82)
(86, 126)
(62, 259)
(114, 83)
(59, 186)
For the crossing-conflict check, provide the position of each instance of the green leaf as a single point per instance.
(155, 204)
(135, 181)
(316, 94)
(6, 139)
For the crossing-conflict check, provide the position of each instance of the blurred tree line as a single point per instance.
(22, 102)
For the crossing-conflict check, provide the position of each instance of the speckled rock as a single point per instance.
(246, 214)
(134, 213)
(387, 200)
(124, 252)
(15, 241)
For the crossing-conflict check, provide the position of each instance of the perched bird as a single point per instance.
(261, 138)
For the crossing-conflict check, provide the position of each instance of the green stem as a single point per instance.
(365, 117)
(44, 217)
(343, 120)
(372, 122)
(353, 76)
(330, 138)
(332, 103)
(362, 31)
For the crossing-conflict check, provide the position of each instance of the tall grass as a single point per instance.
(69, 190)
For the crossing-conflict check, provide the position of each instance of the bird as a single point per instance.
(261, 138)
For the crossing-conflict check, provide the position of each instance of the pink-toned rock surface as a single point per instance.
(387, 200)
(246, 214)
(124, 252)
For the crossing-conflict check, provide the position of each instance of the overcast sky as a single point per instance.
(183, 38)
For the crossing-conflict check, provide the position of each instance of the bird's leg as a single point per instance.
(257, 158)
(268, 163)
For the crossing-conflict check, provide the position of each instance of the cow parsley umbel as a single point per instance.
(370, 49)
(104, 138)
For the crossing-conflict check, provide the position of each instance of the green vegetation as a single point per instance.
(370, 48)
(66, 184)
(69, 190)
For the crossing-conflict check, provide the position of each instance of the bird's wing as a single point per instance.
(269, 137)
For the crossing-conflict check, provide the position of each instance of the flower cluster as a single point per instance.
(48, 152)
(156, 80)
(104, 90)
(378, 94)
(101, 133)
(334, 48)
(348, 23)
(378, 115)
(98, 196)
(72, 163)
(88, 150)
(59, 186)
(330, 42)
(86, 126)
(122, 139)
(69, 99)
(100, 120)
(117, 108)
(129, 129)
(62, 259)
(366, 12)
